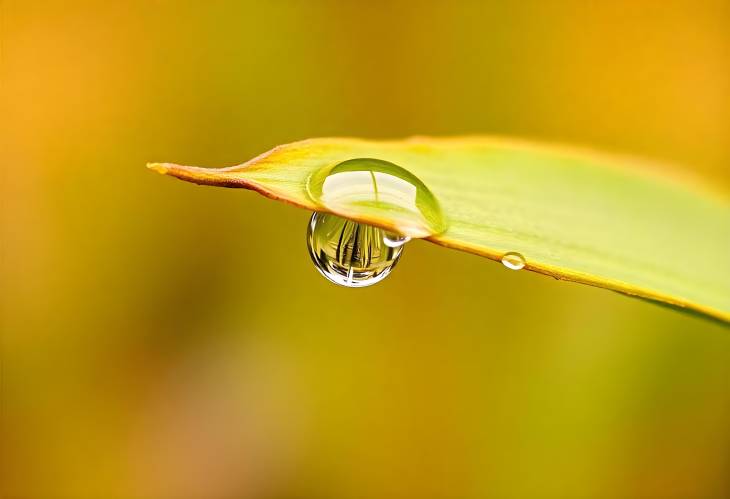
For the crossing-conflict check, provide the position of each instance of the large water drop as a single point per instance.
(379, 191)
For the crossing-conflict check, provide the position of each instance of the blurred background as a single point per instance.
(165, 340)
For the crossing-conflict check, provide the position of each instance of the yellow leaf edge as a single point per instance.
(232, 177)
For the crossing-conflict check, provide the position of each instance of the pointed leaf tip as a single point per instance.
(161, 168)
(204, 176)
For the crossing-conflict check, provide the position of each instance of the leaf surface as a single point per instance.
(612, 222)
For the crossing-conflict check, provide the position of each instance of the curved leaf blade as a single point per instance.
(574, 215)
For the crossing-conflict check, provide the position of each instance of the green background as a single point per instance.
(166, 340)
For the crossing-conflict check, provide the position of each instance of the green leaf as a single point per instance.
(616, 223)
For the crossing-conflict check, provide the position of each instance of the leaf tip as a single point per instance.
(161, 168)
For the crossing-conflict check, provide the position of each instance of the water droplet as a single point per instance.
(381, 192)
(349, 253)
(513, 260)
(395, 240)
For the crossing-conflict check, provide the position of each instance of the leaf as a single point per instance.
(574, 215)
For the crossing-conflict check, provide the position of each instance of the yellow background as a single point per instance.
(164, 340)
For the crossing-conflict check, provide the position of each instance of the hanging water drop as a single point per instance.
(513, 260)
(349, 253)
(356, 254)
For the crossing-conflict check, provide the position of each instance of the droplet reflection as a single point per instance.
(348, 253)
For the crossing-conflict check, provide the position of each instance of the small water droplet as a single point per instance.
(349, 253)
(513, 260)
(379, 191)
(395, 240)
